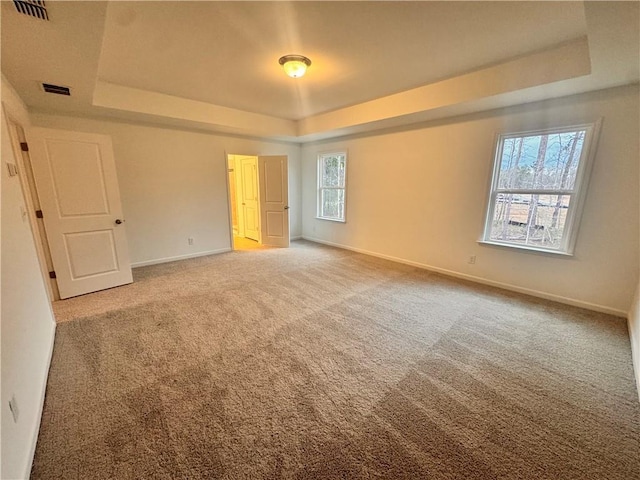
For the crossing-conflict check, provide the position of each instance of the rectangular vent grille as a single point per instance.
(47, 87)
(33, 8)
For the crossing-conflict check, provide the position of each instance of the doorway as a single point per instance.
(244, 201)
(258, 201)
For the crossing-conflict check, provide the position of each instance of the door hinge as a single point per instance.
(52, 274)
(39, 214)
(24, 146)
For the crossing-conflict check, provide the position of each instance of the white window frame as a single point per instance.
(578, 193)
(319, 213)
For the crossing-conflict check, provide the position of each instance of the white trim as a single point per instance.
(534, 191)
(472, 278)
(179, 257)
(332, 219)
(229, 200)
(43, 391)
(297, 237)
(525, 247)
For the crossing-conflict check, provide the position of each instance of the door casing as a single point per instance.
(32, 203)
(235, 159)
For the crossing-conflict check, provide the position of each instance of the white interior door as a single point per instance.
(76, 180)
(238, 192)
(274, 200)
(250, 200)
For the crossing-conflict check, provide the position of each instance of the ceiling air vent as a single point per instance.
(47, 87)
(33, 8)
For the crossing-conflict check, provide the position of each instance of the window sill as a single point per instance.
(331, 219)
(526, 248)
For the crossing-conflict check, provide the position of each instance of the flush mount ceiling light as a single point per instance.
(294, 65)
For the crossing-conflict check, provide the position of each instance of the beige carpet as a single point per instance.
(317, 363)
(242, 243)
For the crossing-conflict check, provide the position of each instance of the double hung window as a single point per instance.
(332, 175)
(538, 185)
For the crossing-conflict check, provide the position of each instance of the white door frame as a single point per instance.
(239, 193)
(231, 168)
(32, 203)
(238, 175)
(226, 169)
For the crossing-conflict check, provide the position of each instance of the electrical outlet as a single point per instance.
(190, 240)
(13, 407)
(472, 259)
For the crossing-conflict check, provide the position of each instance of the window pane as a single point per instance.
(333, 203)
(534, 220)
(331, 185)
(333, 171)
(541, 161)
(341, 170)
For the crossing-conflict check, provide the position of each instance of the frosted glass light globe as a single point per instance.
(294, 65)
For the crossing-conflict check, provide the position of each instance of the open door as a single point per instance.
(250, 199)
(76, 180)
(274, 200)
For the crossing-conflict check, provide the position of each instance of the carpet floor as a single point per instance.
(318, 363)
(242, 243)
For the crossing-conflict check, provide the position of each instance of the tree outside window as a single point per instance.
(537, 188)
(332, 172)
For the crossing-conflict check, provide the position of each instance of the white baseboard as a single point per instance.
(43, 391)
(505, 286)
(298, 237)
(179, 257)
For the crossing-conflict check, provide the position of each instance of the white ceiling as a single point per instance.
(214, 65)
(227, 53)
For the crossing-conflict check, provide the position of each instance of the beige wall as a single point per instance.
(27, 325)
(419, 196)
(173, 184)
